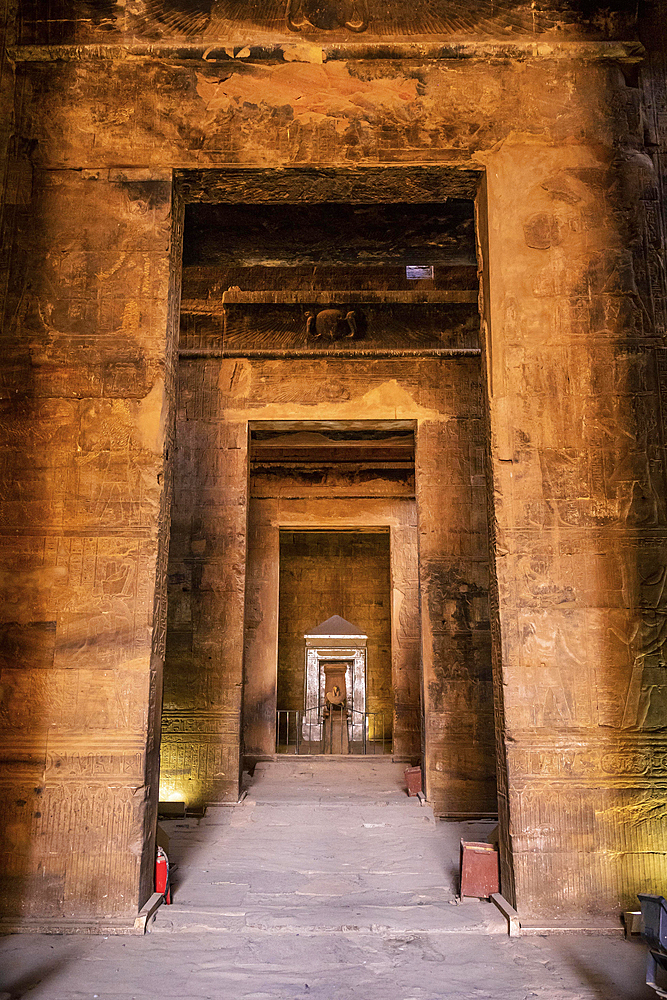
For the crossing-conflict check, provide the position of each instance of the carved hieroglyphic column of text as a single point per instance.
(405, 639)
(453, 576)
(261, 630)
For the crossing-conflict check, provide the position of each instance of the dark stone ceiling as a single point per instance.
(338, 234)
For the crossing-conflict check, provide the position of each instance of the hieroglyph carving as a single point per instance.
(73, 764)
(588, 762)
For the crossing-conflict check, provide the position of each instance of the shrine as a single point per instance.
(336, 676)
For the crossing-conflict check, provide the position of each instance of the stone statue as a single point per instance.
(334, 718)
(334, 699)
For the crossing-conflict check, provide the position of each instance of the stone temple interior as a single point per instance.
(333, 309)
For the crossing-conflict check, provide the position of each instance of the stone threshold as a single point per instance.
(476, 917)
(516, 927)
(102, 926)
(540, 929)
(335, 758)
(60, 925)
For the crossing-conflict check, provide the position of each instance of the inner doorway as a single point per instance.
(278, 409)
(332, 533)
(341, 578)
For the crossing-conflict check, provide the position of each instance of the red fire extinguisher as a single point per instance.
(162, 875)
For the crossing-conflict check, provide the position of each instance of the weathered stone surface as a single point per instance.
(86, 22)
(86, 403)
(579, 572)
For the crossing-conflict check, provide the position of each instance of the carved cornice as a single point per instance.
(230, 52)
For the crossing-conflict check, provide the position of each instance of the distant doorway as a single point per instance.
(342, 575)
(332, 533)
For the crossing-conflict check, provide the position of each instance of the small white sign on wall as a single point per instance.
(417, 273)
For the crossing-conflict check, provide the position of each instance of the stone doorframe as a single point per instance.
(371, 184)
(319, 651)
(266, 519)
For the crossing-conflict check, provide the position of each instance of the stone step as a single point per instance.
(466, 918)
(364, 817)
(239, 888)
(318, 847)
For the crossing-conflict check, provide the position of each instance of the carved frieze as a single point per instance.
(103, 765)
(591, 762)
(200, 723)
(201, 18)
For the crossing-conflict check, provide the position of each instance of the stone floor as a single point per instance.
(326, 882)
(323, 845)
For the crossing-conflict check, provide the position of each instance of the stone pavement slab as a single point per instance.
(319, 888)
(338, 966)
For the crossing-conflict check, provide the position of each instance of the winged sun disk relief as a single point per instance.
(331, 324)
(327, 14)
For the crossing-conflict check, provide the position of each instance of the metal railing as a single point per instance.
(340, 732)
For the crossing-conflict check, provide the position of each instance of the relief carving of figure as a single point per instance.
(646, 698)
(327, 14)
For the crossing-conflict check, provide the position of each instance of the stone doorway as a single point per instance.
(255, 371)
(332, 530)
(350, 572)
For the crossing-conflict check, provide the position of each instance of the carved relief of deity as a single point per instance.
(646, 698)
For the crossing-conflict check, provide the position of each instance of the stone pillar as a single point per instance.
(87, 360)
(405, 636)
(453, 579)
(574, 365)
(261, 631)
(201, 722)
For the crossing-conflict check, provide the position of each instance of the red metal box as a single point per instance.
(479, 869)
(413, 779)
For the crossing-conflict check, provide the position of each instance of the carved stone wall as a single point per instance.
(579, 523)
(260, 680)
(259, 26)
(454, 584)
(84, 528)
(200, 757)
